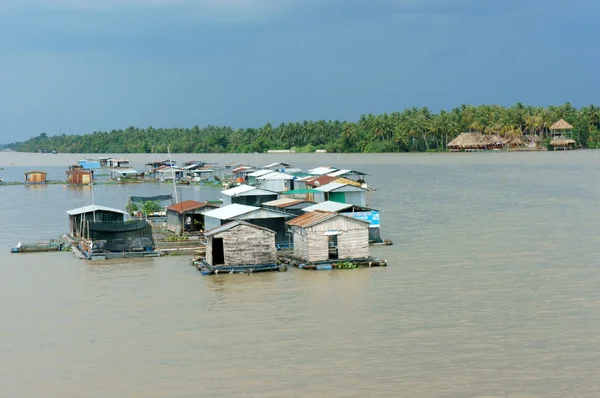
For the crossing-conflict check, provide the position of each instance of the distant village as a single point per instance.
(268, 218)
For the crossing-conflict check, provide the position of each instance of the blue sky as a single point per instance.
(108, 64)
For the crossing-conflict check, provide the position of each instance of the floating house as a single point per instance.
(271, 219)
(187, 216)
(150, 167)
(229, 167)
(240, 174)
(276, 182)
(354, 211)
(239, 246)
(76, 175)
(89, 164)
(118, 163)
(79, 217)
(562, 136)
(278, 166)
(247, 195)
(258, 173)
(35, 177)
(341, 192)
(104, 161)
(322, 236)
(165, 173)
(288, 205)
(123, 173)
(102, 232)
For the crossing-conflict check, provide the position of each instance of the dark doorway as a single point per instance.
(218, 255)
(333, 247)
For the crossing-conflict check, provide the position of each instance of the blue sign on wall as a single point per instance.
(371, 216)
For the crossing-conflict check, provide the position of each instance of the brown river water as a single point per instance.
(492, 290)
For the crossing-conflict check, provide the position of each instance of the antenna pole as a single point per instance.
(93, 205)
(174, 185)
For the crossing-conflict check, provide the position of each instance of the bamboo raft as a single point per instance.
(208, 269)
(328, 265)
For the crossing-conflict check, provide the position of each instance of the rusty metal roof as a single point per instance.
(312, 218)
(284, 202)
(188, 205)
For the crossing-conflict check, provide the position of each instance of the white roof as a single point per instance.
(247, 190)
(339, 173)
(169, 170)
(260, 173)
(92, 208)
(237, 190)
(322, 170)
(276, 176)
(229, 211)
(269, 166)
(328, 206)
(332, 186)
(125, 171)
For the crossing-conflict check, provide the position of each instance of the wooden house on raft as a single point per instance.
(187, 216)
(271, 219)
(322, 236)
(239, 246)
(343, 192)
(76, 175)
(35, 177)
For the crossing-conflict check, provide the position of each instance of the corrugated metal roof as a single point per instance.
(237, 190)
(276, 176)
(233, 224)
(252, 191)
(229, 211)
(283, 202)
(316, 181)
(332, 186)
(188, 205)
(260, 173)
(92, 208)
(278, 164)
(262, 214)
(241, 169)
(340, 173)
(328, 206)
(311, 218)
(322, 170)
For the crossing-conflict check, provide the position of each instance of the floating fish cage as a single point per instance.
(328, 265)
(208, 269)
(50, 246)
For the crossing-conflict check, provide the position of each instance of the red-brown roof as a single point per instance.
(188, 205)
(318, 181)
(311, 218)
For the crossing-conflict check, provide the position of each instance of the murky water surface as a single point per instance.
(492, 290)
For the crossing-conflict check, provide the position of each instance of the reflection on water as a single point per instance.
(492, 291)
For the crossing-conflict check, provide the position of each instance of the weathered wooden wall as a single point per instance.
(245, 245)
(311, 244)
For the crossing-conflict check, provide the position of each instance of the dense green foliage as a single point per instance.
(415, 129)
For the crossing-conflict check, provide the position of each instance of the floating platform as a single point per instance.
(329, 265)
(50, 246)
(207, 269)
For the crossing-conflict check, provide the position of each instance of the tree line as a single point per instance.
(412, 130)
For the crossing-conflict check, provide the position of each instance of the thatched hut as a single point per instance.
(467, 142)
(562, 136)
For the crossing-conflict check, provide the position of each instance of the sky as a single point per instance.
(87, 65)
